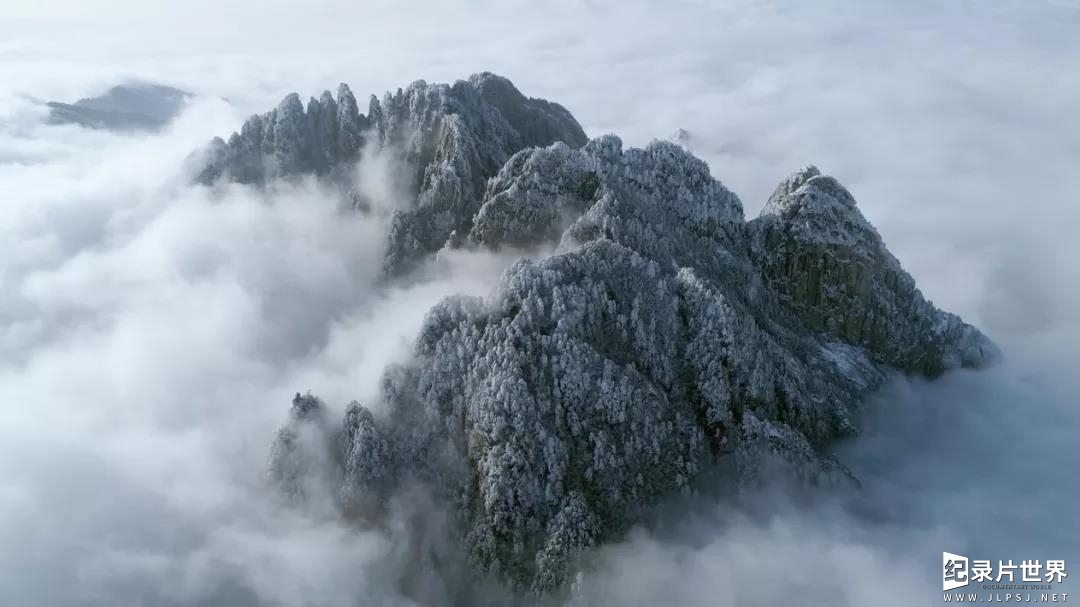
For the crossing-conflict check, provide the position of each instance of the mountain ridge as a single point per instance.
(135, 106)
(449, 139)
(665, 336)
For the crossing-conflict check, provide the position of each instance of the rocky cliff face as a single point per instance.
(289, 141)
(829, 265)
(449, 139)
(667, 335)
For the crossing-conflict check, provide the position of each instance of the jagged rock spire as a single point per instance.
(351, 126)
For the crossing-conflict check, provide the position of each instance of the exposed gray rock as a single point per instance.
(681, 137)
(130, 107)
(667, 335)
(450, 138)
(535, 196)
(830, 266)
(298, 457)
(367, 461)
(457, 137)
(288, 142)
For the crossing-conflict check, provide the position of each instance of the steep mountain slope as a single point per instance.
(667, 334)
(448, 139)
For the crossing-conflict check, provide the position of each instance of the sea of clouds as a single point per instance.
(152, 333)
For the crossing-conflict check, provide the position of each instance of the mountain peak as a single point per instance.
(451, 138)
(666, 334)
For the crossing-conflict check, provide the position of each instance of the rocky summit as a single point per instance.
(447, 139)
(666, 335)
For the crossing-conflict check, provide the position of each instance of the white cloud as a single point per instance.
(151, 334)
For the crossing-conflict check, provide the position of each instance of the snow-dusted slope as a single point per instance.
(830, 266)
(449, 139)
(667, 334)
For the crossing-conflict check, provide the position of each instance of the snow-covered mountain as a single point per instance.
(451, 138)
(665, 337)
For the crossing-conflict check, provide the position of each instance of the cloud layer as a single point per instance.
(152, 334)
